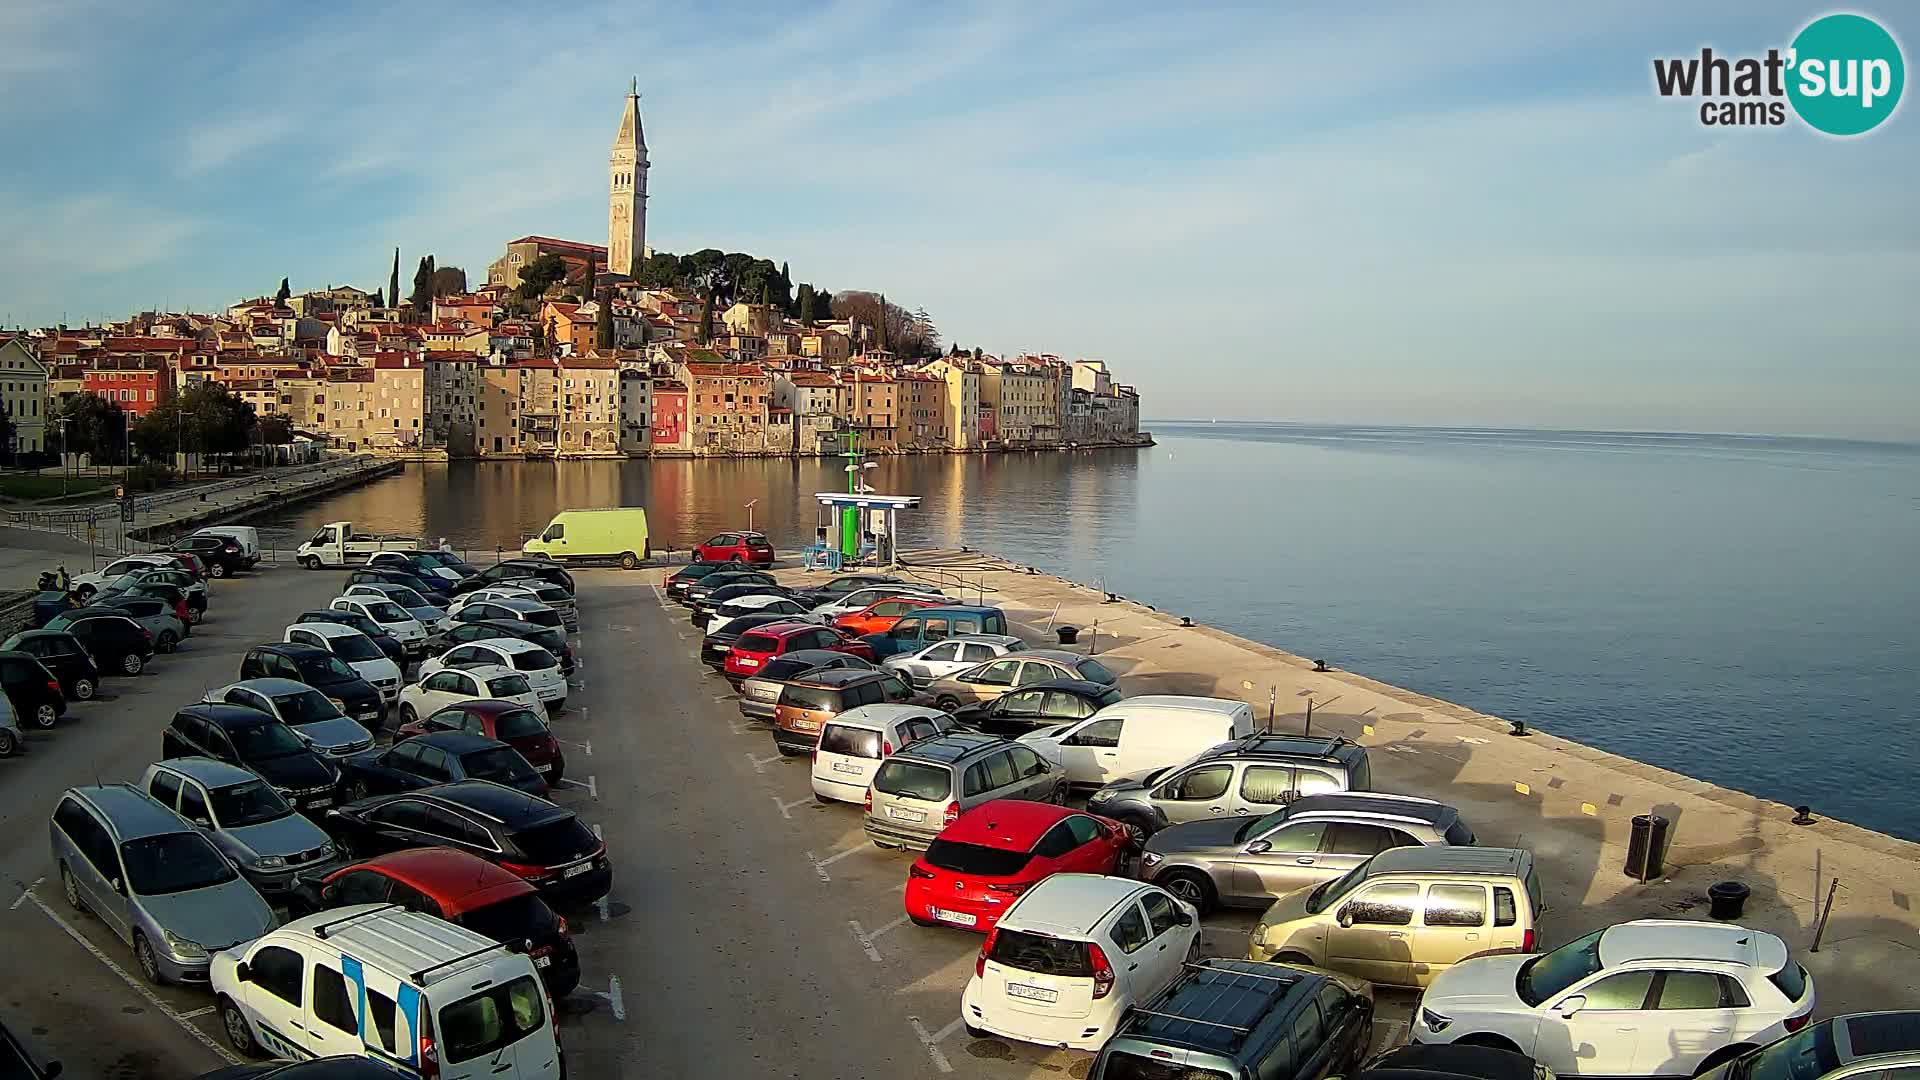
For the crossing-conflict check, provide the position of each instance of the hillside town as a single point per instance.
(570, 350)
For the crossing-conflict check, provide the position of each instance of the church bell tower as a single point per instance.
(627, 200)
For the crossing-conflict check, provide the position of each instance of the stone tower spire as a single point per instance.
(627, 201)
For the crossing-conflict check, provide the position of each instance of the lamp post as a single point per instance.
(750, 505)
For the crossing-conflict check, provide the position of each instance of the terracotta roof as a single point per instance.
(393, 363)
(539, 363)
(726, 371)
(590, 363)
(814, 380)
(564, 245)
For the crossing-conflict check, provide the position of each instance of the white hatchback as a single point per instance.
(757, 604)
(938, 659)
(491, 592)
(854, 743)
(1654, 997)
(1073, 956)
(390, 617)
(541, 667)
(450, 686)
(354, 649)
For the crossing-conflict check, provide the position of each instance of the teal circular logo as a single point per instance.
(1847, 74)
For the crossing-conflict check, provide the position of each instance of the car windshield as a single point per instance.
(556, 842)
(305, 707)
(386, 611)
(1805, 1055)
(325, 669)
(355, 648)
(251, 803)
(506, 686)
(406, 597)
(175, 862)
(437, 558)
(1546, 975)
(1318, 899)
(543, 616)
(1041, 954)
(1095, 671)
(913, 780)
(534, 660)
(500, 763)
(263, 741)
(1124, 1066)
(976, 859)
(786, 669)
(757, 643)
(553, 641)
(517, 917)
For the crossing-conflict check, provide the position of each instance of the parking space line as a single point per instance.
(138, 987)
(204, 1010)
(866, 941)
(592, 784)
(22, 898)
(743, 727)
(953, 1025)
(786, 806)
(894, 925)
(820, 865)
(760, 763)
(615, 1002)
(933, 1050)
(726, 697)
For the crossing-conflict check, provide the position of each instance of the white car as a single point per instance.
(541, 667)
(85, 585)
(390, 617)
(1654, 997)
(491, 592)
(449, 686)
(860, 599)
(853, 744)
(1073, 956)
(937, 660)
(757, 604)
(354, 649)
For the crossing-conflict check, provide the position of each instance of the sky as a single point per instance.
(1382, 213)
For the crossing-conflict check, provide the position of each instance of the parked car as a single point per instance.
(853, 744)
(507, 569)
(12, 739)
(62, 654)
(428, 614)
(173, 596)
(736, 547)
(1073, 956)
(1247, 861)
(349, 692)
(917, 628)
(354, 649)
(548, 638)
(681, 580)
(1247, 777)
(760, 692)
(1452, 1061)
(1406, 915)
(769, 603)
(316, 718)
(194, 589)
(810, 701)
(153, 880)
(703, 607)
(222, 555)
(252, 824)
(753, 649)
(531, 612)
(441, 757)
(1147, 732)
(554, 596)
(261, 744)
(1653, 997)
(700, 590)
(715, 646)
(1239, 1019)
(452, 686)
(1041, 704)
(527, 835)
(468, 891)
(419, 563)
(925, 786)
(85, 585)
(833, 607)
(541, 668)
(391, 618)
(188, 561)
(940, 658)
(879, 616)
(247, 536)
(1867, 1046)
(522, 728)
(444, 563)
(434, 590)
(388, 645)
(978, 685)
(504, 591)
(998, 850)
(616, 534)
(33, 691)
(166, 622)
(117, 644)
(21, 1060)
(829, 591)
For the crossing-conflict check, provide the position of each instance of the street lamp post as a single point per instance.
(750, 505)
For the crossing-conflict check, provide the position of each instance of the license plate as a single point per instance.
(551, 695)
(841, 766)
(367, 714)
(548, 768)
(959, 918)
(905, 815)
(317, 804)
(543, 961)
(747, 662)
(576, 871)
(1032, 993)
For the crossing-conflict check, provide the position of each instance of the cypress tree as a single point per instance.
(393, 283)
(706, 318)
(806, 305)
(281, 296)
(603, 321)
(883, 322)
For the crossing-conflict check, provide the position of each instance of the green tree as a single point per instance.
(806, 305)
(205, 419)
(275, 430)
(603, 322)
(706, 318)
(379, 299)
(422, 296)
(590, 284)
(393, 283)
(281, 296)
(94, 426)
(7, 434)
(537, 276)
(783, 292)
(449, 281)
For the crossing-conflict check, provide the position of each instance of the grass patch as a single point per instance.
(48, 486)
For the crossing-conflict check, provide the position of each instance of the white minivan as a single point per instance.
(853, 744)
(403, 988)
(1141, 733)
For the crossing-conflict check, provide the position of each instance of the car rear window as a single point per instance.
(534, 660)
(543, 617)
(516, 917)
(1124, 1066)
(556, 841)
(913, 780)
(502, 764)
(811, 698)
(492, 1019)
(1459, 835)
(1041, 954)
(756, 643)
(785, 669)
(850, 741)
(1790, 980)
(508, 686)
(518, 724)
(1095, 671)
(976, 859)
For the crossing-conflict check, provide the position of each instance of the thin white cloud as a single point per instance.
(218, 143)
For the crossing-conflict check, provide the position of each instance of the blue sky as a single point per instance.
(1435, 214)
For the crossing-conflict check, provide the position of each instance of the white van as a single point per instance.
(403, 988)
(246, 536)
(1141, 733)
(853, 744)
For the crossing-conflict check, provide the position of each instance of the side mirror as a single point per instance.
(1346, 916)
(205, 823)
(242, 973)
(118, 886)
(1187, 920)
(1570, 1006)
(1259, 847)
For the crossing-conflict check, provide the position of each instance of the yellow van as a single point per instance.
(617, 533)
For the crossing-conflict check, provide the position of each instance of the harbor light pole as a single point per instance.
(750, 505)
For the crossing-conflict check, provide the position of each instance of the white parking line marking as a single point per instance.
(1396, 1033)
(592, 784)
(817, 868)
(933, 1051)
(603, 906)
(1398, 749)
(614, 1000)
(760, 763)
(726, 697)
(894, 925)
(953, 1025)
(786, 806)
(619, 629)
(204, 1010)
(22, 898)
(584, 745)
(138, 987)
(866, 941)
(837, 856)
(742, 727)
(598, 835)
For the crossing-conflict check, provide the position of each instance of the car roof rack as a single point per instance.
(516, 945)
(324, 929)
(1211, 1000)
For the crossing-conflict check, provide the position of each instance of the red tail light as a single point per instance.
(986, 947)
(180, 611)
(1527, 941)
(1013, 887)
(525, 870)
(1795, 1023)
(146, 633)
(1102, 972)
(429, 1054)
(918, 871)
(869, 800)
(952, 815)
(886, 748)
(561, 921)
(53, 686)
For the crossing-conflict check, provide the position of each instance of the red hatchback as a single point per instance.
(753, 649)
(516, 725)
(979, 865)
(739, 547)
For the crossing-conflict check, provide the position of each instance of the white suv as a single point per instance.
(1654, 997)
(541, 667)
(1072, 956)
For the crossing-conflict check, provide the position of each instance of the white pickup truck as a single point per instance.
(338, 545)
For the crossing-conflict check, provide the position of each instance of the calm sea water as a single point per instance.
(1742, 609)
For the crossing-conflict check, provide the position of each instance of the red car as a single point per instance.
(522, 728)
(739, 547)
(979, 865)
(753, 649)
(188, 561)
(468, 891)
(879, 618)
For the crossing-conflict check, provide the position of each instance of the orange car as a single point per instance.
(878, 618)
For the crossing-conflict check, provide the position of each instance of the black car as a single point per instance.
(17, 1059)
(439, 757)
(64, 655)
(702, 607)
(715, 646)
(517, 568)
(319, 669)
(833, 590)
(117, 643)
(35, 693)
(390, 646)
(543, 843)
(547, 637)
(223, 555)
(682, 579)
(1451, 1061)
(1055, 701)
(700, 590)
(256, 741)
(430, 587)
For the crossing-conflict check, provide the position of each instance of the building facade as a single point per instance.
(23, 397)
(627, 200)
(589, 406)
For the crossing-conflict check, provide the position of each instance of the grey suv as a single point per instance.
(1248, 777)
(920, 789)
(1250, 861)
(275, 848)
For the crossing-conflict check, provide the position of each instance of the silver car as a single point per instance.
(312, 715)
(924, 786)
(1248, 861)
(761, 693)
(424, 611)
(939, 659)
(153, 879)
(554, 596)
(276, 849)
(158, 616)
